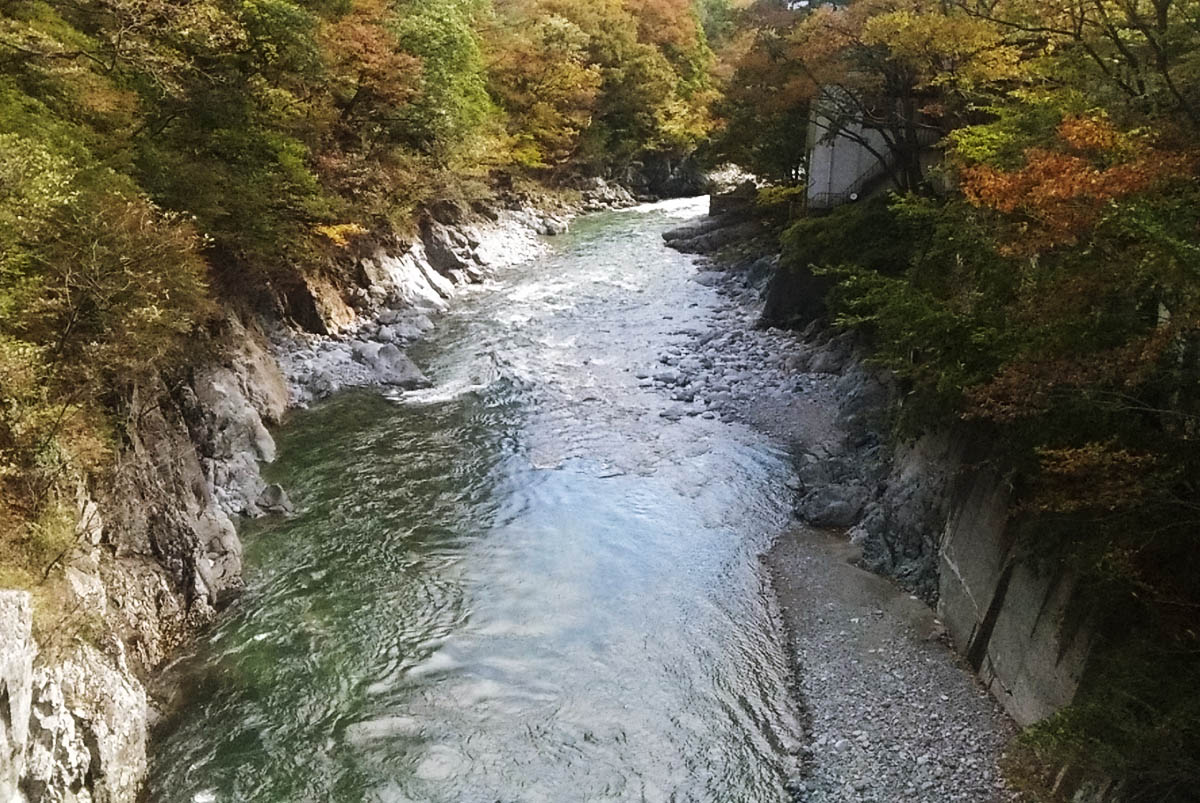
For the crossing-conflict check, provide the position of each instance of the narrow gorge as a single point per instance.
(533, 532)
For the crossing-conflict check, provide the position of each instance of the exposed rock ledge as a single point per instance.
(157, 551)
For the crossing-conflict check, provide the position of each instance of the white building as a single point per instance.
(841, 167)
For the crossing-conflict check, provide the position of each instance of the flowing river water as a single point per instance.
(522, 585)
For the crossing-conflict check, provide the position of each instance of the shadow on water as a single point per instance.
(521, 585)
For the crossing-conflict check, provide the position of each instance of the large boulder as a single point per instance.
(795, 297)
(390, 365)
(17, 651)
(450, 252)
(834, 505)
(706, 239)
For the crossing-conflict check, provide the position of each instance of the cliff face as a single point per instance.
(928, 513)
(156, 555)
(932, 515)
(157, 552)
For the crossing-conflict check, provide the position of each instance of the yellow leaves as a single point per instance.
(947, 49)
(1095, 477)
(340, 234)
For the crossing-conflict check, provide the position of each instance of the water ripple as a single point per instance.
(519, 585)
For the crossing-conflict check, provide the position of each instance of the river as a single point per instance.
(524, 584)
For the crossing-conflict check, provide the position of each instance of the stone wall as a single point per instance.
(1007, 615)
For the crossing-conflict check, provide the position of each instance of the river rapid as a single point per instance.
(524, 584)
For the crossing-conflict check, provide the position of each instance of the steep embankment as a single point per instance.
(157, 552)
(891, 713)
(934, 515)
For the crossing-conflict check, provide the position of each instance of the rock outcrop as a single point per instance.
(17, 651)
(929, 513)
(157, 552)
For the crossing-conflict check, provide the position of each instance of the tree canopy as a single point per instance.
(1041, 289)
(155, 155)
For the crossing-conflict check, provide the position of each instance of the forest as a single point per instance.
(1036, 281)
(160, 158)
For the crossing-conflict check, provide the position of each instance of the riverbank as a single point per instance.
(155, 552)
(892, 713)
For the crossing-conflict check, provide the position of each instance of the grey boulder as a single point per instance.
(390, 365)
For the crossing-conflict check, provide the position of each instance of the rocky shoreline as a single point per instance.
(157, 552)
(892, 713)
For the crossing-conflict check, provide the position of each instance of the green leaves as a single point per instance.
(452, 102)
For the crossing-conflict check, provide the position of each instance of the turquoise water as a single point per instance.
(521, 585)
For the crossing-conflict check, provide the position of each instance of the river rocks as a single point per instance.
(709, 278)
(833, 505)
(275, 499)
(711, 240)
(892, 717)
(597, 194)
(690, 231)
(390, 365)
(667, 175)
(553, 226)
(670, 378)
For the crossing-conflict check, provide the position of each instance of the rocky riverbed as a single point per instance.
(892, 713)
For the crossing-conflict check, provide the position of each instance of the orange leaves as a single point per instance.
(1094, 134)
(367, 58)
(1030, 387)
(1061, 191)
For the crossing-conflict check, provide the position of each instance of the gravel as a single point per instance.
(893, 714)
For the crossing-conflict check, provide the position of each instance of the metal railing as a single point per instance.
(828, 200)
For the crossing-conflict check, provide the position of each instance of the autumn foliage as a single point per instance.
(1039, 291)
(1060, 192)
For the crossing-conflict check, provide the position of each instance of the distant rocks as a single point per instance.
(402, 290)
(711, 235)
(389, 364)
(597, 194)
